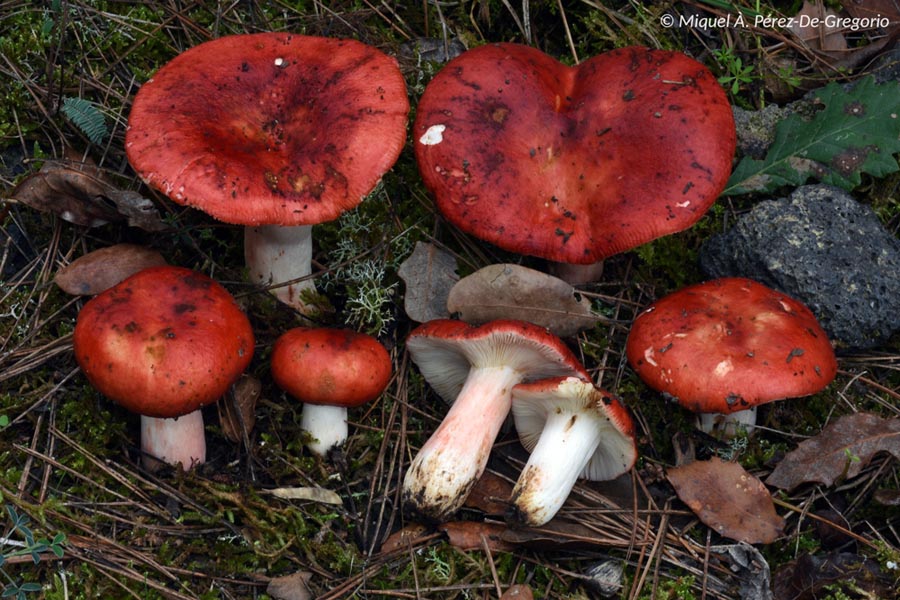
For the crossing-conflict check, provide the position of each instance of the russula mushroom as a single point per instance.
(728, 345)
(163, 343)
(572, 429)
(474, 368)
(274, 131)
(573, 164)
(329, 370)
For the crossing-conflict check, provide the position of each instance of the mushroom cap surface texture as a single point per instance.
(336, 367)
(573, 164)
(270, 128)
(445, 350)
(163, 342)
(730, 344)
(535, 401)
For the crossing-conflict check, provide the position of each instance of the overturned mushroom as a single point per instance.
(474, 368)
(572, 429)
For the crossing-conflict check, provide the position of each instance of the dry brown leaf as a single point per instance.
(728, 499)
(472, 535)
(507, 291)
(814, 26)
(101, 269)
(841, 450)
(79, 193)
(875, 9)
(887, 497)
(404, 538)
(810, 577)
(237, 410)
(429, 273)
(290, 587)
(490, 494)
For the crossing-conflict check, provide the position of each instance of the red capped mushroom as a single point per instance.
(163, 343)
(728, 345)
(474, 368)
(572, 429)
(329, 370)
(573, 164)
(274, 131)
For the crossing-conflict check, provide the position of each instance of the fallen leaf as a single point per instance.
(887, 497)
(237, 410)
(518, 592)
(313, 494)
(79, 193)
(472, 535)
(841, 450)
(726, 498)
(429, 273)
(883, 10)
(814, 25)
(507, 291)
(101, 269)
(290, 587)
(606, 577)
(490, 494)
(404, 538)
(750, 567)
(811, 577)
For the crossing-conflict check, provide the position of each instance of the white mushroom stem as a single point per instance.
(174, 441)
(327, 425)
(727, 426)
(441, 476)
(567, 443)
(276, 254)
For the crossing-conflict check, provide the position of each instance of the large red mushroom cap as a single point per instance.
(730, 344)
(329, 370)
(270, 128)
(163, 342)
(573, 164)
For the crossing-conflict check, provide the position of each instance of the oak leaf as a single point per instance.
(507, 291)
(840, 451)
(728, 499)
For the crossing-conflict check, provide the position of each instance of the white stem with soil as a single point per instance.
(442, 474)
(327, 425)
(567, 443)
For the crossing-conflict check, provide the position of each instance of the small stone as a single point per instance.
(825, 249)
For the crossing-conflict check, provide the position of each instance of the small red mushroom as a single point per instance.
(573, 164)
(329, 370)
(163, 343)
(274, 131)
(474, 368)
(725, 346)
(572, 429)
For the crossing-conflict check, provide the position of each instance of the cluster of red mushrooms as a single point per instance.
(278, 132)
